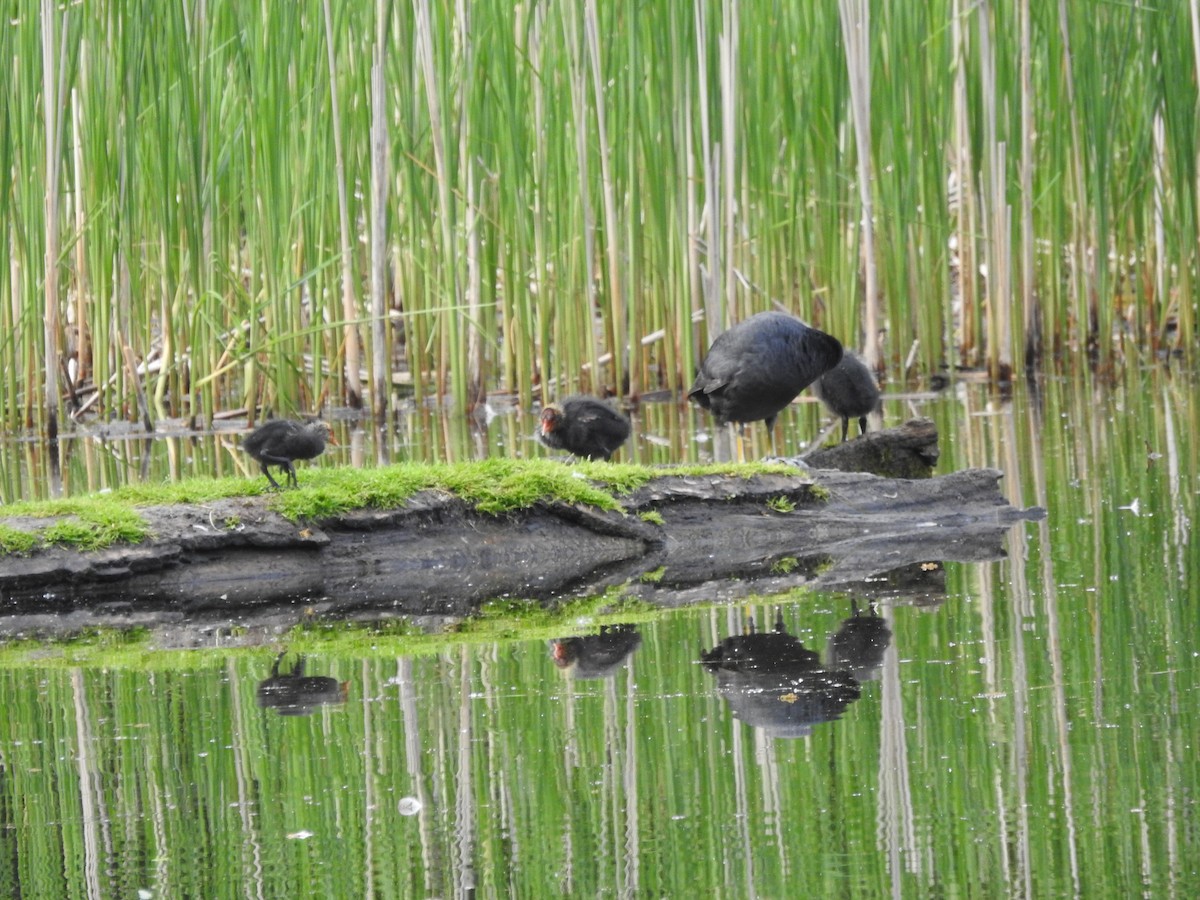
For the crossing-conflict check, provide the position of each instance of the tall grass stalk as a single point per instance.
(856, 23)
(616, 330)
(380, 176)
(53, 71)
(964, 302)
(353, 384)
(996, 230)
(1031, 327)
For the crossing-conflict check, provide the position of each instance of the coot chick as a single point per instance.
(583, 426)
(860, 644)
(296, 694)
(848, 389)
(281, 441)
(757, 367)
(596, 655)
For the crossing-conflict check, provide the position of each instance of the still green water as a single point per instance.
(1031, 736)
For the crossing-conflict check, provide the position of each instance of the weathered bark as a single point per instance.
(908, 451)
(721, 538)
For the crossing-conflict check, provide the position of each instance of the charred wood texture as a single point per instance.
(721, 537)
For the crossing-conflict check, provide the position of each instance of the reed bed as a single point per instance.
(255, 206)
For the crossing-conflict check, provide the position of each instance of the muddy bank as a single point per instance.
(676, 538)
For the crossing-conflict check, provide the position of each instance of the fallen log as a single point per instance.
(676, 538)
(908, 451)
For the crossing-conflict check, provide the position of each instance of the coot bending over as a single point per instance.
(848, 389)
(757, 367)
(281, 441)
(583, 426)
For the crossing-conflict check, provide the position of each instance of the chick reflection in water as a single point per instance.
(859, 645)
(772, 682)
(596, 655)
(295, 694)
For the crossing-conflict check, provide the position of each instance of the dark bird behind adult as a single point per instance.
(583, 426)
(860, 644)
(757, 367)
(280, 442)
(848, 390)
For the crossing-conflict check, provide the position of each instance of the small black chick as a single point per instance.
(583, 426)
(847, 390)
(860, 644)
(596, 655)
(296, 694)
(281, 441)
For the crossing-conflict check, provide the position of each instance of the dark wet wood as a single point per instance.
(721, 538)
(907, 451)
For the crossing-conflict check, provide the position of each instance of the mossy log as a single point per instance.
(908, 451)
(677, 538)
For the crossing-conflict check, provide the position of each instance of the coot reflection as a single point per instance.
(295, 694)
(773, 683)
(596, 655)
(859, 645)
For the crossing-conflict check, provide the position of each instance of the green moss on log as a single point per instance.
(494, 486)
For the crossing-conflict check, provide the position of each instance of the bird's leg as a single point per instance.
(267, 472)
(862, 424)
(846, 427)
(291, 470)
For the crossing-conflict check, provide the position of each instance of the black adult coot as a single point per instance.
(583, 426)
(848, 390)
(757, 367)
(281, 441)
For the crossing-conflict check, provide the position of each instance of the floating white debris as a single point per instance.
(1133, 507)
(409, 806)
(299, 835)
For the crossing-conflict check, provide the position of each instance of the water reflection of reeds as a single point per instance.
(1030, 735)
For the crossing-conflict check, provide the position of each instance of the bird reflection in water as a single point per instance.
(295, 694)
(596, 655)
(773, 683)
(859, 645)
